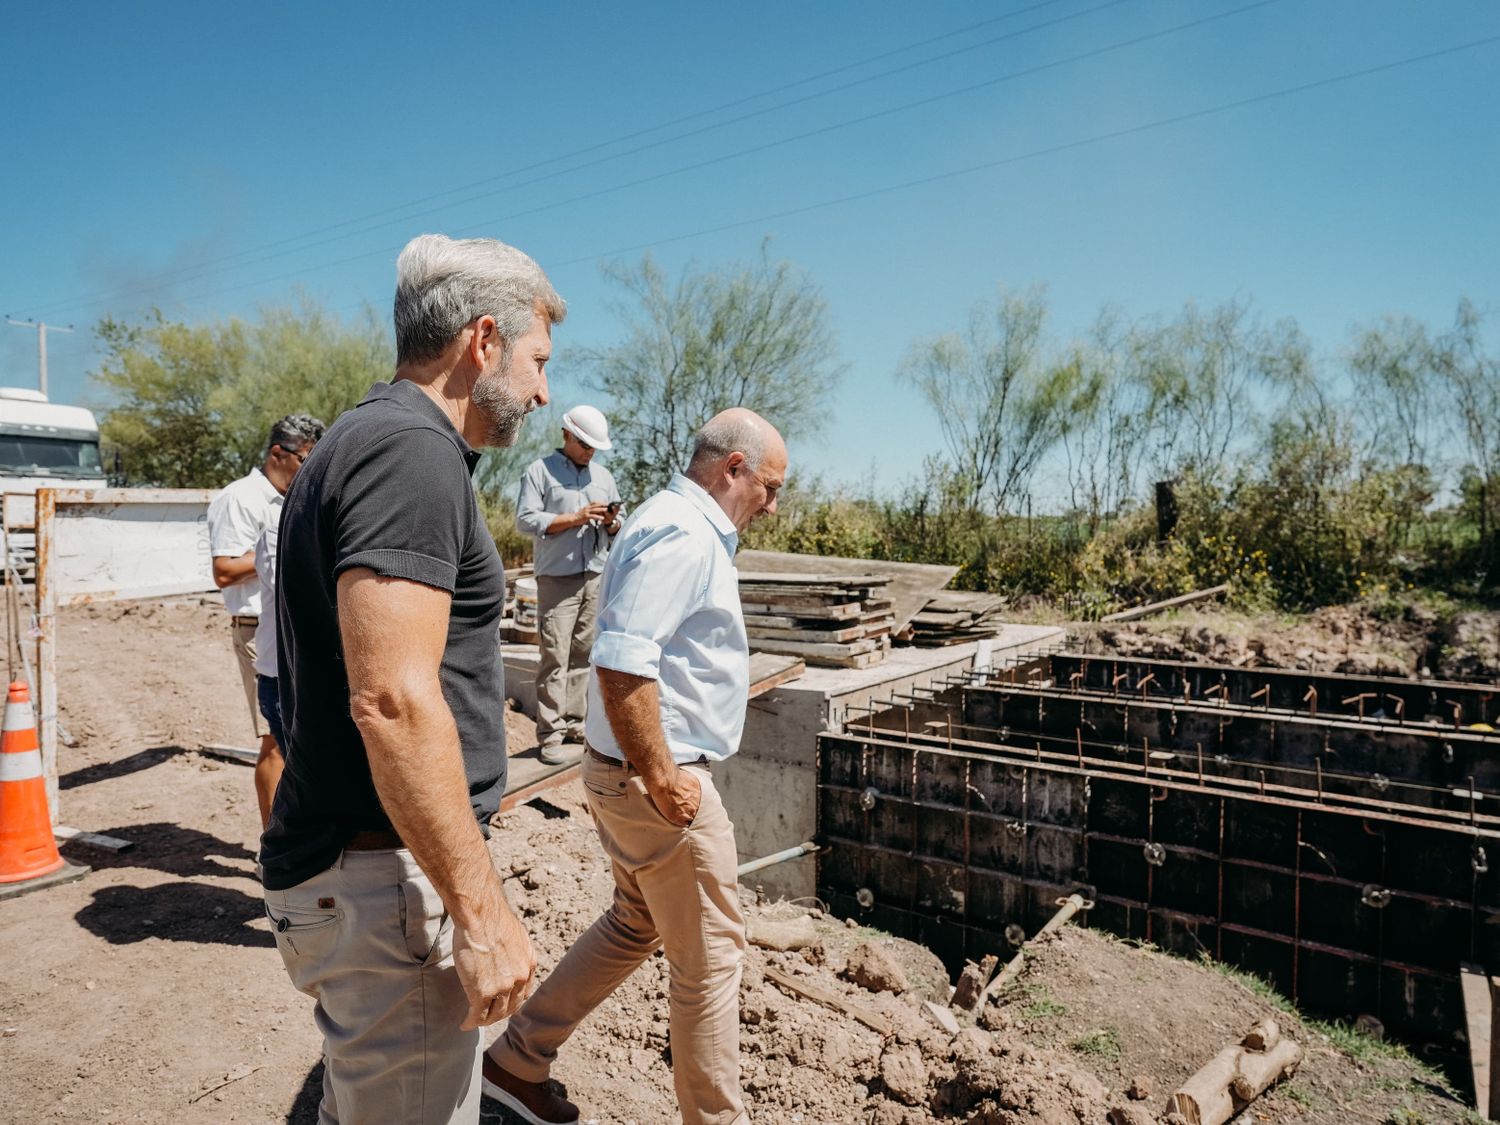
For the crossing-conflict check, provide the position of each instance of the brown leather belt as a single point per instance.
(608, 761)
(376, 840)
(243, 619)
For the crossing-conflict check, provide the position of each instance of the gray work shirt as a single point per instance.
(552, 486)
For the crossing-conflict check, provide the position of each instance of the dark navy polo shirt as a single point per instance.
(387, 488)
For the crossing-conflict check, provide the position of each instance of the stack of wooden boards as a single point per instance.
(838, 621)
(952, 617)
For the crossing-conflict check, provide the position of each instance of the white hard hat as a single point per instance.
(587, 424)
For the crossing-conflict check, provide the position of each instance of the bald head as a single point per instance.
(740, 460)
(734, 430)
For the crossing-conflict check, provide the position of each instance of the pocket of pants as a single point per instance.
(602, 791)
(303, 934)
(661, 816)
(424, 922)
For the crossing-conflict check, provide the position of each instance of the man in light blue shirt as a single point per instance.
(667, 698)
(570, 507)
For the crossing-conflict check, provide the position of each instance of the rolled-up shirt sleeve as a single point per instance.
(531, 519)
(232, 526)
(660, 577)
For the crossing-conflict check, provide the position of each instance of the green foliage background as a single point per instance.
(1300, 479)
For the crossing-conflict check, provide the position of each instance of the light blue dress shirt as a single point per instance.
(669, 611)
(553, 485)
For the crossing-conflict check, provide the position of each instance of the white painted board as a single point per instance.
(106, 551)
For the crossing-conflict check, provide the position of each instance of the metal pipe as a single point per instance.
(779, 857)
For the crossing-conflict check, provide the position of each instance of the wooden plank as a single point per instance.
(527, 776)
(781, 609)
(769, 670)
(814, 648)
(64, 834)
(134, 495)
(829, 999)
(830, 636)
(812, 595)
(768, 621)
(231, 753)
(1170, 603)
(783, 578)
(910, 588)
(1479, 1012)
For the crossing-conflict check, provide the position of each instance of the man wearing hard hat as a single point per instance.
(571, 507)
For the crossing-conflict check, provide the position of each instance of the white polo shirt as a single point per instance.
(239, 513)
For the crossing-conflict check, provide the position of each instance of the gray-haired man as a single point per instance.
(238, 516)
(381, 892)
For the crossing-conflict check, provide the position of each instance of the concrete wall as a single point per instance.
(521, 662)
(770, 786)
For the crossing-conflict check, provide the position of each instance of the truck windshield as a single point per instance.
(25, 455)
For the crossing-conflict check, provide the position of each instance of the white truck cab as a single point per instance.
(42, 445)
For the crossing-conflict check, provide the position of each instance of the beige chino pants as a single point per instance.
(242, 636)
(568, 613)
(370, 941)
(674, 887)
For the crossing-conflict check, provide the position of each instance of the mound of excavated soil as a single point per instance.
(1353, 639)
(1127, 1011)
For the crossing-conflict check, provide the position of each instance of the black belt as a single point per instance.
(701, 760)
(375, 840)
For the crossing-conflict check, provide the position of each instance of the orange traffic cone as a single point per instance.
(27, 849)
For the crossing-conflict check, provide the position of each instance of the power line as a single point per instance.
(205, 269)
(754, 149)
(1050, 150)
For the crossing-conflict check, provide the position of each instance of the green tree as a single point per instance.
(1205, 372)
(1001, 403)
(164, 382)
(1471, 376)
(189, 406)
(755, 336)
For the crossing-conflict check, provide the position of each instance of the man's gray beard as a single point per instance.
(503, 412)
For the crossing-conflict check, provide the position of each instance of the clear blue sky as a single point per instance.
(211, 158)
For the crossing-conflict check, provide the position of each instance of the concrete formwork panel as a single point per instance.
(968, 846)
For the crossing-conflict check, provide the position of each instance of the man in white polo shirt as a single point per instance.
(667, 694)
(241, 511)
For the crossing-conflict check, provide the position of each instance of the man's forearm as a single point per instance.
(233, 570)
(417, 767)
(632, 704)
(564, 521)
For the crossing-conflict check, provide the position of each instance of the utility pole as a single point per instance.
(42, 328)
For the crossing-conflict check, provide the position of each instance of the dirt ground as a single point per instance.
(1410, 640)
(151, 990)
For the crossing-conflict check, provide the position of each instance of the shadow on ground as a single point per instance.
(121, 767)
(304, 1109)
(185, 852)
(175, 912)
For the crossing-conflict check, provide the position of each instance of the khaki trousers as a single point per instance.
(242, 635)
(568, 612)
(370, 941)
(674, 887)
